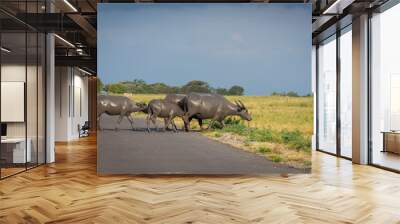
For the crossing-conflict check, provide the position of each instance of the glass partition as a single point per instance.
(14, 153)
(346, 92)
(41, 97)
(385, 89)
(22, 88)
(327, 95)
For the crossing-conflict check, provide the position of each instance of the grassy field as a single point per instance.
(281, 128)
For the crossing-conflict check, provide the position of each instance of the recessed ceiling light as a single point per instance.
(5, 50)
(64, 40)
(70, 5)
(84, 71)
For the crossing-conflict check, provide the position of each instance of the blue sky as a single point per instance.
(262, 47)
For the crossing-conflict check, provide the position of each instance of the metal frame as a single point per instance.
(338, 76)
(389, 4)
(338, 152)
(44, 74)
(380, 9)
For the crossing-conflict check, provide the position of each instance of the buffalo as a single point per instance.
(163, 109)
(180, 100)
(120, 106)
(212, 106)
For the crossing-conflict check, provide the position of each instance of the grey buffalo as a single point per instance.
(214, 107)
(180, 100)
(120, 106)
(163, 109)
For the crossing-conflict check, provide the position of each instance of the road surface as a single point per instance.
(139, 152)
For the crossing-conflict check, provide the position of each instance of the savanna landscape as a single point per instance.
(281, 128)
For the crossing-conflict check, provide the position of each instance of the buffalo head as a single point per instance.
(242, 111)
(142, 106)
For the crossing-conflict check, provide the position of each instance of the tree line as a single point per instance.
(290, 93)
(139, 86)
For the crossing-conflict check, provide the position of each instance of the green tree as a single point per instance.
(116, 88)
(196, 86)
(222, 91)
(292, 94)
(100, 85)
(236, 90)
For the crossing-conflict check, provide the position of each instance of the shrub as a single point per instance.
(216, 125)
(307, 163)
(295, 139)
(232, 121)
(239, 129)
(261, 135)
(276, 158)
(264, 149)
(217, 134)
(247, 142)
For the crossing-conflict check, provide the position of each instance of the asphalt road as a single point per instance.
(139, 152)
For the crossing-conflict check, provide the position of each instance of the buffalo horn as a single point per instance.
(242, 105)
(237, 104)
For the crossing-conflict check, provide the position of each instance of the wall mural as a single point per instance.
(204, 89)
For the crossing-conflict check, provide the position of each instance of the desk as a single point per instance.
(391, 141)
(13, 150)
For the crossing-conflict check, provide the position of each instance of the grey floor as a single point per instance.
(138, 152)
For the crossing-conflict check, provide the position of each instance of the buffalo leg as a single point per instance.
(211, 124)
(118, 122)
(130, 119)
(172, 122)
(222, 122)
(148, 122)
(98, 121)
(186, 122)
(154, 120)
(200, 122)
(174, 125)
(166, 124)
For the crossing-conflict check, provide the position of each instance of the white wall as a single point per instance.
(33, 126)
(71, 102)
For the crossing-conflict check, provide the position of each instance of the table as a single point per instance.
(391, 141)
(13, 150)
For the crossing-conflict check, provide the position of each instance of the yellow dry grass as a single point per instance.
(273, 112)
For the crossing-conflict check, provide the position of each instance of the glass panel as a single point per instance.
(13, 86)
(31, 98)
(41, 98)
(346, 93)
(327, 95)
(385, 84)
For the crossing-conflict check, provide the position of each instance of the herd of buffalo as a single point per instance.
(199, 106)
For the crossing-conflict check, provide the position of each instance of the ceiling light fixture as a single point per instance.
(64, 40)
(84, 71)
(5, 50)
(70, 5)
(337, 7)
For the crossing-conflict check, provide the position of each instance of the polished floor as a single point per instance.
(386, 159)
(70, 191)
